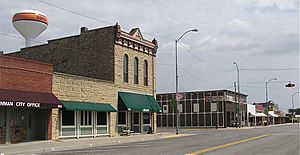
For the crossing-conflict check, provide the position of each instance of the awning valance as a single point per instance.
(257, 114)
(137, 102)
(87, 106)
(272, 114)
(28, 99)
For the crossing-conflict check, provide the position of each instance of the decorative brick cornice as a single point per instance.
(135, 42)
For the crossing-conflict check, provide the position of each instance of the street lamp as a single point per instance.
(293, 105)
(238, 100)
(176, 41)
(267, 98)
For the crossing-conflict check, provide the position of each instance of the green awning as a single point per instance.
(86, 106)
(137, 102)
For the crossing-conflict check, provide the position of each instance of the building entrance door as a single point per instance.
(136, 122)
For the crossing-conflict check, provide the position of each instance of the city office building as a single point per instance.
(105, 79)
(26, 100)
(201, 109)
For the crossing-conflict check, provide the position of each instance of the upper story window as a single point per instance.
(145, 73)
(125, 68)
(136, 70)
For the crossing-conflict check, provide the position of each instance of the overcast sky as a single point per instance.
(257, 34)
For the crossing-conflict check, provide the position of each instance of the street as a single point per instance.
(266, 140)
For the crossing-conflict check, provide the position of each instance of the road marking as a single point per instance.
(227, 145)
(175, 136)
(116, 146)
(87, 151)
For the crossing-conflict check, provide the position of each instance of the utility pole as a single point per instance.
(267, 102)
(293, 105)
(236, 106)
(176, 76)
(238, 87)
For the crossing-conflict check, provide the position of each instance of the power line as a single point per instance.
(208, 65)
(261, 82)
(99, 20)
(16, 37)
(269, 69)
(168, 86)
(79, 14)
(191, 74)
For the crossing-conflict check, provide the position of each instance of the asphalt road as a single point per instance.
(268, 140)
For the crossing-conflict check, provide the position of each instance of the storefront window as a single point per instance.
(68, 118)
(121, 118)
(86, 118)
(146, 118)
(101, 118)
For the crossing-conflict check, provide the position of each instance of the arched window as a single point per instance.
(145, 73)
(125, 68)
(136, 70)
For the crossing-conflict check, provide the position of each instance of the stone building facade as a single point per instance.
(91, 68)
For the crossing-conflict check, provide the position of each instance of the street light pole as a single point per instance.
(176, 68)
(293, 106)
(267, 98)
(238, 100)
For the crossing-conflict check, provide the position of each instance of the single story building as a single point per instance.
(202, 109)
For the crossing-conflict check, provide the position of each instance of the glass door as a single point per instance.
(146, 122)
(136, 122)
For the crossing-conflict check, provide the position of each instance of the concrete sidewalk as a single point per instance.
(37, 147)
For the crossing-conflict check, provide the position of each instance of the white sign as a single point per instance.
(19, 104)
(213, 107)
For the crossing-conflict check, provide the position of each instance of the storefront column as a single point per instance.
(7, 125)
(154, 123)
(49, 126)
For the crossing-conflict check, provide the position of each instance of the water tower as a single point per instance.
(30, 23)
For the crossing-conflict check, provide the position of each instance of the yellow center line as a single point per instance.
(174, 136)
(227, 145)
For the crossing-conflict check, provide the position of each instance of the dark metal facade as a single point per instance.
(199, 109)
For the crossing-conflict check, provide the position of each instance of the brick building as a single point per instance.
(274, 114)
(201, 109)
(26, 100)
(104, 66)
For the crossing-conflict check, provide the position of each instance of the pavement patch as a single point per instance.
(227, 145)
(175, 136)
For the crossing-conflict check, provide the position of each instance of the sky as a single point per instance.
(261, 36)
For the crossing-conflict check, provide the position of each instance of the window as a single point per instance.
(101, 118)
(125, 68)
(213, 107)
(146, 118)
(180, 108)
(68, 118)
(165, 109)
(122, 118)
(145, 73)
(196, 107)
(86, 118)
(136, 70)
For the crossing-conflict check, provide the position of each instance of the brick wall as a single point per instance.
(26, 75)
(89, 54)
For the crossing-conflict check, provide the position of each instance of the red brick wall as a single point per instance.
(26, 75)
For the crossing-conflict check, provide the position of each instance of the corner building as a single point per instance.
(105, 79)
(215, 108)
